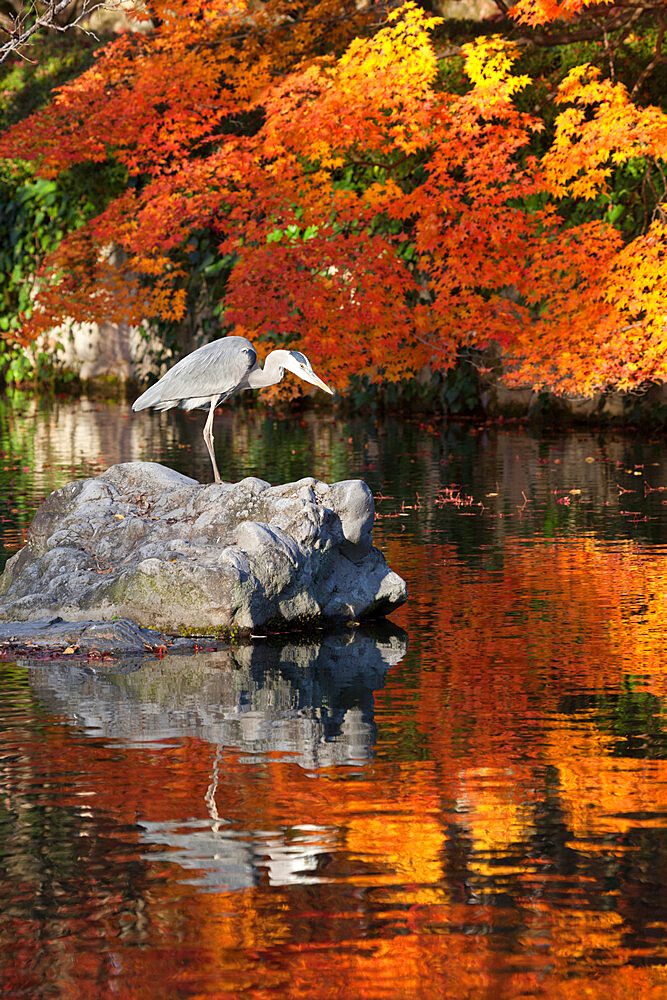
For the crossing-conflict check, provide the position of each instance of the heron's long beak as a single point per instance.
(316, 380)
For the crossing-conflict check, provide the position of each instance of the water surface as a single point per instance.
(469, 803)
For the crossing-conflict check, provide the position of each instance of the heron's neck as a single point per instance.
(271, 373)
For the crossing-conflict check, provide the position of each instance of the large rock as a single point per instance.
(146, 543)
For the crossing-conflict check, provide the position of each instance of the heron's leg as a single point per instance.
(208, 439)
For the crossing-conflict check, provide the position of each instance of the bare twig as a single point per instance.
(610, 53)
(657, 58)
(32, 16)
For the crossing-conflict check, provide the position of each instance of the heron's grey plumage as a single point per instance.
(218, 370)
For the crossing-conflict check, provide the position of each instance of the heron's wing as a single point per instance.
(216, 369)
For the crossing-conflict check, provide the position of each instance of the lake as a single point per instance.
(467, 802)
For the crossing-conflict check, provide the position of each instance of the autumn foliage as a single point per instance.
(365, 202)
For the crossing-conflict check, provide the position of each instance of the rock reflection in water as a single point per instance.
(307, 701)
(310, 702)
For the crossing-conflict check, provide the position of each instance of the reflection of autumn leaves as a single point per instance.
(621, 984)
(400, 841)
(604, 794)
(586, 613)
(430, 877)
(502, 648)
(440, 961)
(496, 811)
(388, 917)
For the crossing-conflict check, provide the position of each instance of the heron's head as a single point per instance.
(298, 363)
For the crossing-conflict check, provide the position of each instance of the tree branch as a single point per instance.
(591, 24)
(657, 58)
(32, 16)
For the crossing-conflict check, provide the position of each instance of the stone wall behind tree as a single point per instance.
(102, 351)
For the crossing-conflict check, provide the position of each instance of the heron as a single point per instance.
(210, 375)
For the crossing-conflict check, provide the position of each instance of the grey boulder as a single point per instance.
(146, 543)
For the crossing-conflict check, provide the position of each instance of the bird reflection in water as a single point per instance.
(309, 703)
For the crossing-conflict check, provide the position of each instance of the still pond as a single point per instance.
(470, 802)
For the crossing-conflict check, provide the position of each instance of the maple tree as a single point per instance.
(357, 191)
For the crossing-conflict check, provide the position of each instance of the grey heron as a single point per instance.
(216, 371)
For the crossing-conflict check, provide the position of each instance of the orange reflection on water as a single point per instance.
(506, 840)
(604, 794)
